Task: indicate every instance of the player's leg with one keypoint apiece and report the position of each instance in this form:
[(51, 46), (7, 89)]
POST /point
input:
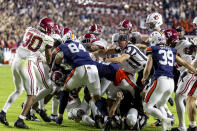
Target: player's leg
[(64, 95), (55, 105), (165, 97), (153, 96), (14, 95), (30, 85), (179, 98), (43, 80), (128, 83), (191, 108)]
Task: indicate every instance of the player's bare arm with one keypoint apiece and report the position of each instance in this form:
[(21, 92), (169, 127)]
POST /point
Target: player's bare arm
[(110, 51), (117, 102), (58, 58), (194, 63), (119, 59), (182, 62), (48, 54), (148, 67), (141, 46)]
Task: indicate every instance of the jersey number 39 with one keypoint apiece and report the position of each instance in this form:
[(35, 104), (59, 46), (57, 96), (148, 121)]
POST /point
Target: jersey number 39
[(167, 57)]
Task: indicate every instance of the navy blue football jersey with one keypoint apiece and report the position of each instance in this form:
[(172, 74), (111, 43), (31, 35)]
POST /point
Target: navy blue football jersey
[(107, 70), (163, 60), (75, 54)]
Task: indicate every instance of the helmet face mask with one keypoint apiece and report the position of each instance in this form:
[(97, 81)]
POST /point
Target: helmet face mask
[(156, 38), (89, 38), (151, 26)]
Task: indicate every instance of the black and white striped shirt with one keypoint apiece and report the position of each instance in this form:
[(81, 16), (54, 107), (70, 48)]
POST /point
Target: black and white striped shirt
[(137, 60)]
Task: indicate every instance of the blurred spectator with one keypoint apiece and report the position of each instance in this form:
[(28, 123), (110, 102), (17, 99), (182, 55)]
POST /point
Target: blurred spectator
[(17, 15)]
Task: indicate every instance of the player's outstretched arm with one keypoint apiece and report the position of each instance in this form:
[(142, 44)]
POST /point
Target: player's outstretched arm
[(120, 96), (182, 62), (148, 67), (119, 59)]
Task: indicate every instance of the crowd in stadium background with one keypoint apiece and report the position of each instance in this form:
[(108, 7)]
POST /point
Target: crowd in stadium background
[(17, 15)]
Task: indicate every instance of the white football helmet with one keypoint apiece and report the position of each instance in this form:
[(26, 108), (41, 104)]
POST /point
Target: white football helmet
[(115, 38), (154, 21), (195, 21), (136, 37), (156, 38)]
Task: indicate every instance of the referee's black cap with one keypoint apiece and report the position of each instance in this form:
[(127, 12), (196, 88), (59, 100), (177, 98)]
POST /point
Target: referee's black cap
[(179, 28), (123, 38)]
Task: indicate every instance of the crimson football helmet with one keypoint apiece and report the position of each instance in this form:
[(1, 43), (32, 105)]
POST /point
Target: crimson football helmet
[(58, 78), (56, 33), (57, 29), (95, 29), (46, 25), (66, 34), (125, 25), (171, 36), (89, 37)]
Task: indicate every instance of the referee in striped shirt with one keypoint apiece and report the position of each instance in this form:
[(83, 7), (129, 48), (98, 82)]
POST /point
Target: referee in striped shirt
[(131, 58)]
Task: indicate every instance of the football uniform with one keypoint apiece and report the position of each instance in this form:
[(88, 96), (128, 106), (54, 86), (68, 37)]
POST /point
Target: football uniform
[(26, 69), (163, 62), (84, 70), (120, 78), (189, 79), (137, 60), (193, 86)]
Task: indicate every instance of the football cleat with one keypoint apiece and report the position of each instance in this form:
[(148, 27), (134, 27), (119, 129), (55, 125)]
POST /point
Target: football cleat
[(20, 124), (171, 116), (157, 123), (3, 118), (44, 115), (59, 120), (53, 117), (33, 118)]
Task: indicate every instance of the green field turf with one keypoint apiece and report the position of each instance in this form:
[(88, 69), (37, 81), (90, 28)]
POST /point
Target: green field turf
[(7, 87)]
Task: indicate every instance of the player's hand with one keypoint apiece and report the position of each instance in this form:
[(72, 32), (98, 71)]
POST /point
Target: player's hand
[(120, 95), (143, 81)]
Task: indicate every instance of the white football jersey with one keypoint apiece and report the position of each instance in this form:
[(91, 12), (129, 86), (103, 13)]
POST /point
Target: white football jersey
[(33, 44), (181, 47)]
